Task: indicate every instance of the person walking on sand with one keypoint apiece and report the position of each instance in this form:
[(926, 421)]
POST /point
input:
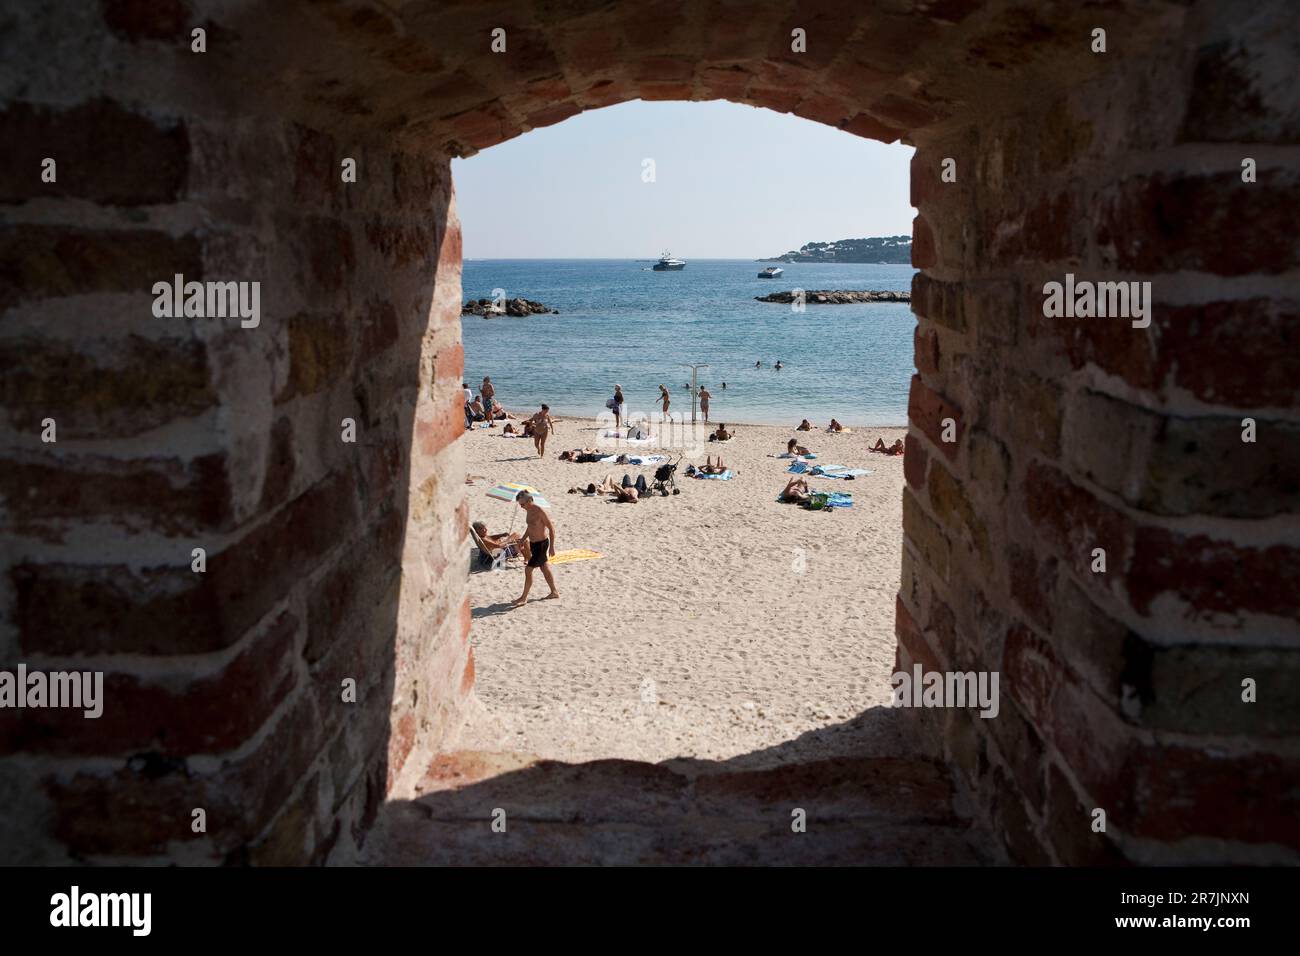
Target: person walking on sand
[(704, 403), (542, 426), (539, 544), (663, 396)]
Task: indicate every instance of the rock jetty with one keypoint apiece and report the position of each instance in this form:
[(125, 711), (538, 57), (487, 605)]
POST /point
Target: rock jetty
[(518, 308), (837, 297)]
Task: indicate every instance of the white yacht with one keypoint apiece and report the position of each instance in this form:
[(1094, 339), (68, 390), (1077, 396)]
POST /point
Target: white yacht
[(771, 272), (667, 263)]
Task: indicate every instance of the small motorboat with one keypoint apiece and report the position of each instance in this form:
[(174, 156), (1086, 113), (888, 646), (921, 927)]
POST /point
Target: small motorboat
[(771, 272)]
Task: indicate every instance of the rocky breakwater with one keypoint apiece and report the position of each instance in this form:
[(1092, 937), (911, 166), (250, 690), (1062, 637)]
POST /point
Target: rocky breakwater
[(518, 308), (836, 296)]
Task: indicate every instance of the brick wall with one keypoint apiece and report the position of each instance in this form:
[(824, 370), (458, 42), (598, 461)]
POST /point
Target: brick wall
[(1122, 690), (328, 560)]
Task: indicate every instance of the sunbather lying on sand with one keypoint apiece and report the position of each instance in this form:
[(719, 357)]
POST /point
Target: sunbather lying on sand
[(711, 469), (792, 447), (582, 455), (895, 449), (795, 492)]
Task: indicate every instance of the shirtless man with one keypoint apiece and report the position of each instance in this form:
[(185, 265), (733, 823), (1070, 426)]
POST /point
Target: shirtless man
[(541, 426), (804, 426), (538, 543), (704, 402), (496, 543), (489, 395), (663, 397)]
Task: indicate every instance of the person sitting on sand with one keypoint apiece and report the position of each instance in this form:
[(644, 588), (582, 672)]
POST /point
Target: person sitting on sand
[(793, 448), (796, 492), (835, 426), (711, 469), (476, 409), (509, 430), (895, 449), (721, 434), (495, 543), (804, 426)]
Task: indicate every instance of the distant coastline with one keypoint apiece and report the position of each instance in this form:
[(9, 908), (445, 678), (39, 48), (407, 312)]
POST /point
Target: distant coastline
[(879, 250)]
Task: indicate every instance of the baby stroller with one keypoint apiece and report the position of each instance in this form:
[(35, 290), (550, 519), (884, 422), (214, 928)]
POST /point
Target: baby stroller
[(665, 482)]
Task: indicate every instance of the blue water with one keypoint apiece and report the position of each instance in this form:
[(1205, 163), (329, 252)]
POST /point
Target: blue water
[(621, 322)]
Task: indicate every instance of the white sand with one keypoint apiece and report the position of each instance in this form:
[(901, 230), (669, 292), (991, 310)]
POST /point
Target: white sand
[(695, 635)]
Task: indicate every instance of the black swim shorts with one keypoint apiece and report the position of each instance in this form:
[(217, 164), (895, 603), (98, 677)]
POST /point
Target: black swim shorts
[(538, 555)]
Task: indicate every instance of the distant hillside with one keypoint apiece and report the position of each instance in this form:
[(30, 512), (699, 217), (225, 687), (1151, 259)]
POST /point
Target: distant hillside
[(877, 249)]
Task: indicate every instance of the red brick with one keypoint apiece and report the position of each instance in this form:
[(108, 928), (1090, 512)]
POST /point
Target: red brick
[(910, 637), (1243, 353), (915, 460), (1213, 577), (924, 255), (51, 496), (927, 409), (44, 262), (168, 717), (1075, 522), (147, 19), (1211, 223), (72, 609), (104, 154), (925, 346), (446, 425)]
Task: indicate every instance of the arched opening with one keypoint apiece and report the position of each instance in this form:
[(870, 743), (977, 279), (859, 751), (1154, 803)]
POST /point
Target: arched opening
[(1125, 165)]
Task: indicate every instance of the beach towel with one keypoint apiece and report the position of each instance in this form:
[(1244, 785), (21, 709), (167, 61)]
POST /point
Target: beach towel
[(839, 499), (725, 476), (838, 471), (645, 459), (574, 554), (607, 459), (797, 467)]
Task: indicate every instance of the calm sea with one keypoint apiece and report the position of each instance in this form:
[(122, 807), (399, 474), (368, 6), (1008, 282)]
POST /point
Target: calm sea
[(621, 322)]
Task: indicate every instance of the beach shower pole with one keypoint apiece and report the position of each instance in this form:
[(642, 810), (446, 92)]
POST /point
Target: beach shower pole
[(694, 388)]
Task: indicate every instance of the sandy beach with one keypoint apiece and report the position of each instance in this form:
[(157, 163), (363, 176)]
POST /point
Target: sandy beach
[(718, 623)]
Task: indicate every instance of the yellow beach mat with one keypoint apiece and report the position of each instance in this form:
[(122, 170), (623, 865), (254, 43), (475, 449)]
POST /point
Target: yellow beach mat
[(573, 554)]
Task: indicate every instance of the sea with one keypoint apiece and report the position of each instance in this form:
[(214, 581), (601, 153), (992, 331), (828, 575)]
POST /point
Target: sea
[(621, 322)]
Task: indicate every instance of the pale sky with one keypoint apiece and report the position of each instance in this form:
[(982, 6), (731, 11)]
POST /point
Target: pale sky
[(731, 181)]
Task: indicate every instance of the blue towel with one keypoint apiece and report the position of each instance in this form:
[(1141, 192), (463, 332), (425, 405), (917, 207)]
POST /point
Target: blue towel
[(797, 468), (839, 499)]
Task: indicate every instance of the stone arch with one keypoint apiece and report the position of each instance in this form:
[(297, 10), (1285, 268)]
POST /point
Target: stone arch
[(225, 165)]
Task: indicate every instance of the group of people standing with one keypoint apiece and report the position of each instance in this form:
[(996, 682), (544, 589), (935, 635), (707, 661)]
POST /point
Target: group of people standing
[(618, 403)]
